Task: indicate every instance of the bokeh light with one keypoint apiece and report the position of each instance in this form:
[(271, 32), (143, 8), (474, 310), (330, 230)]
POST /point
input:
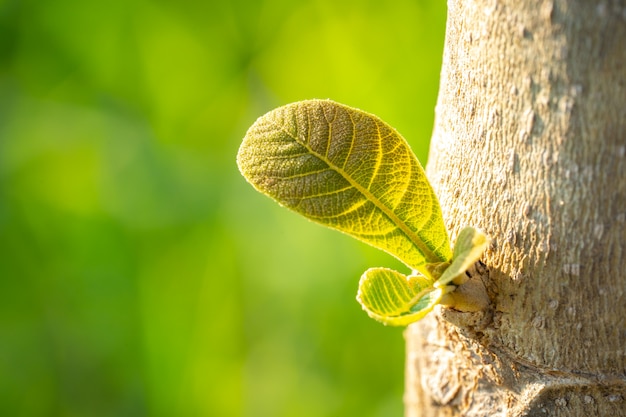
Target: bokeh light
[(139, 274)]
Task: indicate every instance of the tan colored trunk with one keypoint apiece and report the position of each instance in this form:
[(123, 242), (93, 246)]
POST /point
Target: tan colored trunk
[(530, 145)]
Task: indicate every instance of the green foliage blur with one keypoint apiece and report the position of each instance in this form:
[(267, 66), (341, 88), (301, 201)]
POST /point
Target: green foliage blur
[(140, 275)]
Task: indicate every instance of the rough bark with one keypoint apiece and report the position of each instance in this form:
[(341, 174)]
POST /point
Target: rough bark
[(530, 146)]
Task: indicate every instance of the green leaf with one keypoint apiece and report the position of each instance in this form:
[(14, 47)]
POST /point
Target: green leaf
[(348, 170), (469, 247), (393, 298)]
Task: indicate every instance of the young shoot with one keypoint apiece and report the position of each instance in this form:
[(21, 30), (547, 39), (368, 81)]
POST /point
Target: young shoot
[(350, 171)]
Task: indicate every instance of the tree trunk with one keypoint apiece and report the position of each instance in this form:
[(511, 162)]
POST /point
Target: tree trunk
[(530, 146)]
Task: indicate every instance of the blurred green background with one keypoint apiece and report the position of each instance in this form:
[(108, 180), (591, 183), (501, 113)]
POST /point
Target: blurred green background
[(139, 274)]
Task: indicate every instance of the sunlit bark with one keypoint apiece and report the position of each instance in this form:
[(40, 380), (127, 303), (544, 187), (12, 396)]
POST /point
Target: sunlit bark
[(530, 146)]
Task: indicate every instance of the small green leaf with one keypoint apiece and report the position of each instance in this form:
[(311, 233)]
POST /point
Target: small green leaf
[(393, 298), (469, 246), (348, 170)]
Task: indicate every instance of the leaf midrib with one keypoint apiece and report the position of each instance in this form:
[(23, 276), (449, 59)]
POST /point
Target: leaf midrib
[(429, 255)]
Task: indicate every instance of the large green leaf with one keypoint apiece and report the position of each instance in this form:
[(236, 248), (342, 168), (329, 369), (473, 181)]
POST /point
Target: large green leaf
[(348, 170)]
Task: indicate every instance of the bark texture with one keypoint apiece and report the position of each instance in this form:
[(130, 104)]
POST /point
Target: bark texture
[(530, 146)]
